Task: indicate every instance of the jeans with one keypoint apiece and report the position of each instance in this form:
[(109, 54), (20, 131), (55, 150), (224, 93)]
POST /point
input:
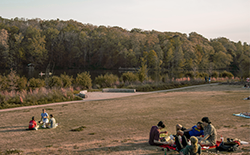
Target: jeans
[(181, 145)]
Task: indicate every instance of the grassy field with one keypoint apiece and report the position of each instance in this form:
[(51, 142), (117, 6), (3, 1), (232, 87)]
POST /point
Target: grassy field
[(122, 125)]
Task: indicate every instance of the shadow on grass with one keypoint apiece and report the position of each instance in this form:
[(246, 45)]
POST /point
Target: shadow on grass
[(24, 128), (13, 128), (17, 130), (124, 147)]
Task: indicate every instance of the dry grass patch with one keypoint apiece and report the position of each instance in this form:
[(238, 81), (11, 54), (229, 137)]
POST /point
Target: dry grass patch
[(78, 128), (121, 126)]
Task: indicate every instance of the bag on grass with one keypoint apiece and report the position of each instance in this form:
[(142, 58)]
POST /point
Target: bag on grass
[(229, 147)]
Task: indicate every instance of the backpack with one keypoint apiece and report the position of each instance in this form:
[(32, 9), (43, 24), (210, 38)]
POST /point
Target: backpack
[(229, 147)]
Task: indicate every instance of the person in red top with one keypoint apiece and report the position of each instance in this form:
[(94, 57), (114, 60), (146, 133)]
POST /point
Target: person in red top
[(33, 125)]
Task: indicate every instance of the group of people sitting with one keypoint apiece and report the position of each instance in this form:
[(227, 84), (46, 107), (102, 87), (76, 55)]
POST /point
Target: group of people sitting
[(246, 113), (47, 121), (203, 133)]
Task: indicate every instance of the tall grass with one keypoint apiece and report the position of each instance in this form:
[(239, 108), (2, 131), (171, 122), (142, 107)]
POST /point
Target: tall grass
[(37, 96)]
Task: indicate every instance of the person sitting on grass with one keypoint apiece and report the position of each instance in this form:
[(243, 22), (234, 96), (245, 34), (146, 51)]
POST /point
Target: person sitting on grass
[(196, 130), (33, 125), (210, 133), (246, 86), (44, 118), (186, 149), (52, 123), (248, 98), (154, 135)]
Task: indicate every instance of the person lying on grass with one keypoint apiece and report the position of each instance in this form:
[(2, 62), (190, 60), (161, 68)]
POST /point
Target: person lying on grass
[(154, 135), (44, 118), (246, 113), (33, 125), (196, 130), (52, 123), (210, 133), (248, 98), (186, 149)]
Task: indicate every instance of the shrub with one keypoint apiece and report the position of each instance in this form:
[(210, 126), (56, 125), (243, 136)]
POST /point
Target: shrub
[(83, 80), (226, 74), (215, 74), (129, 77), (36, 83), (66, 80), (196, 74), (55, 81), (11, 81), (189, 74), (22, 83), (100, 81), (204, 74), (108, 80), (3, 83)]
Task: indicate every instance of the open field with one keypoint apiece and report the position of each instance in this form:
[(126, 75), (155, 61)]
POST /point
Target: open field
[(122, 125)]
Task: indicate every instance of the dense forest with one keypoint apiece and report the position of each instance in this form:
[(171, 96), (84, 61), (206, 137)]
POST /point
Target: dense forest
[(71, 44)]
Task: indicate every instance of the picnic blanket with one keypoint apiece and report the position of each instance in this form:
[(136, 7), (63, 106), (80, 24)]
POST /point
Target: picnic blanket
[(203, 147), (241, 115)]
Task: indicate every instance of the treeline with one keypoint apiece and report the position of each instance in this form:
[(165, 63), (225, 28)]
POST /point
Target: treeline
[(70, 44)]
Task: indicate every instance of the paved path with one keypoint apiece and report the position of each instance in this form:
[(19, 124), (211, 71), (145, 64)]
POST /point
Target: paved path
[(95, 96)]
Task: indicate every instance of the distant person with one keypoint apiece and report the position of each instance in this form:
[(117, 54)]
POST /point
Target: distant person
[(248, 98), (246, 113), (154, 135), (196, 130), (44, 118), (210, 134), (209, 79), (246, 85), (184, 149), (33, 125), (205, 79), (52, 123)]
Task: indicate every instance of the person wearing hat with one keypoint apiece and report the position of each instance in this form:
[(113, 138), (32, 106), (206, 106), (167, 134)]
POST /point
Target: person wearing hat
[(210, 133), (154, 135)]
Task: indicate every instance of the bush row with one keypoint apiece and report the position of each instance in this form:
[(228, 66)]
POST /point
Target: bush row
[(164, 86), (83, 80), (214, 74), (12, 82)]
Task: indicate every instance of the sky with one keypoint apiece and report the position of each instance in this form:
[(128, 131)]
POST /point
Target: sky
[(209, 18)]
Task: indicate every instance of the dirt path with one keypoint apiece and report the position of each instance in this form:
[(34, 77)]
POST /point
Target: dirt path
[(95, 96)]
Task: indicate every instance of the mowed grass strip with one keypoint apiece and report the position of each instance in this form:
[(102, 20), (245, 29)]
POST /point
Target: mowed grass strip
[(122, 125)]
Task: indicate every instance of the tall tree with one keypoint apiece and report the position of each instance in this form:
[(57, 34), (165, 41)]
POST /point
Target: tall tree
[(4, 47), (34, 46)]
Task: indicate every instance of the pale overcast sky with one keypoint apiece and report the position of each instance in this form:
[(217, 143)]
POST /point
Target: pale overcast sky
[(210, 18)]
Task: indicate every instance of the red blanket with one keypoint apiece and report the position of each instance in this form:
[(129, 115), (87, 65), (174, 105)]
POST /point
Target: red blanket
[(203, 147)]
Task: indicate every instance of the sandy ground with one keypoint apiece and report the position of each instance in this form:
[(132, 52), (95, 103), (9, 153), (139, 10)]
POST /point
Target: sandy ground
[(119, 123)]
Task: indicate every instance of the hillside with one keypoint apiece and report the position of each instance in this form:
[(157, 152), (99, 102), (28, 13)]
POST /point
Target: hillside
[(71, 44)]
